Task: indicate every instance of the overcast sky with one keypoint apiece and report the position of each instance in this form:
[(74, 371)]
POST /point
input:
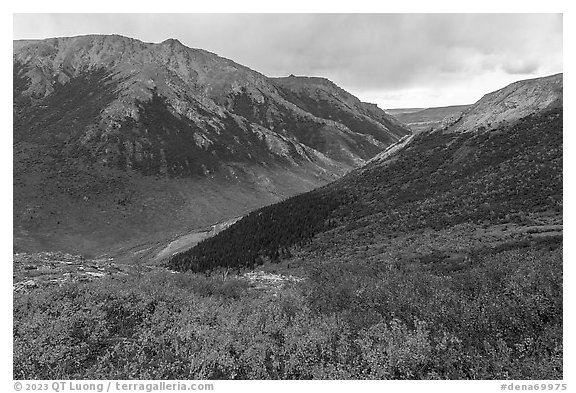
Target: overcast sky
[(394, 60)]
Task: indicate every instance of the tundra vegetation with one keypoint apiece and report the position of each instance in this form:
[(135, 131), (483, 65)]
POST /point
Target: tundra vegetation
[(498, 317)]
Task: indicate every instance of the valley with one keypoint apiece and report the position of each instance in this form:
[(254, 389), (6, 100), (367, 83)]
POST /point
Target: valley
[(180, 216), (425, 119), (445, 247)]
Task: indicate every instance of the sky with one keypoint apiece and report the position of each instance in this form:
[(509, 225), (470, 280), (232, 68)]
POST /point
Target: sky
[(393, 60)]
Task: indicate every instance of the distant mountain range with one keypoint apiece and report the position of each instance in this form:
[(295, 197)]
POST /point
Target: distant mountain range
[(498, 164), (117, 141), (425, 119)]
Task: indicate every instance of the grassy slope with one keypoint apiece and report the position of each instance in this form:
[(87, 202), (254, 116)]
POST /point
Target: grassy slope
[(122, 208)]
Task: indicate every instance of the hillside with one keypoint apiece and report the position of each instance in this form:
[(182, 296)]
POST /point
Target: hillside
[(436, 181), (119, 142), (439, 259)]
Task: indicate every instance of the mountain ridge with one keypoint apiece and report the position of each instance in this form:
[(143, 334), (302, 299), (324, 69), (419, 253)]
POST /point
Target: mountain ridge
[(102, 123), (510, 103), (487, 113)]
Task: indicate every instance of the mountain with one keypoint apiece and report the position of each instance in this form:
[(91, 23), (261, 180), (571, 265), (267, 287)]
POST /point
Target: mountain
[(507, 175), (424, 119), (120, 143)]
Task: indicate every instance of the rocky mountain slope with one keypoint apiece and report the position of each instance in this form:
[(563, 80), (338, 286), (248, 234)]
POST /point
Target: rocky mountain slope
[(510, 174), (117, 140), (324, 99), (509, 104)]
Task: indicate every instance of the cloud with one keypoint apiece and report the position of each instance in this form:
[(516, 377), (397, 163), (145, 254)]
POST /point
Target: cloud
[(391, 51), (520, 67)]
